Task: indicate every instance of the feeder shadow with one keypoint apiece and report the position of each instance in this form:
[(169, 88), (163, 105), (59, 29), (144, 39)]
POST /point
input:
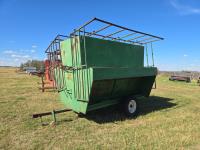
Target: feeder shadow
[(146, 106), (58, 122), (65, 120)]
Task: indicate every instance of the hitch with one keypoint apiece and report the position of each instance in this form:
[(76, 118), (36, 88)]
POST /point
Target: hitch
[(53, 113)]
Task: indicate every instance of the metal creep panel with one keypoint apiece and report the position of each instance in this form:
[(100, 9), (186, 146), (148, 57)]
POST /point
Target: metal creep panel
[(98, 68), (109, 74)]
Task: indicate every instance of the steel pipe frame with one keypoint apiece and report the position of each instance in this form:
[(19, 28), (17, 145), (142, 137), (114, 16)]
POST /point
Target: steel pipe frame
[(53, 51), (112, 24), (55, 40), (113, 38)]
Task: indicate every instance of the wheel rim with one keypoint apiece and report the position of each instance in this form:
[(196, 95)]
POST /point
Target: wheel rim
[(132, 106)]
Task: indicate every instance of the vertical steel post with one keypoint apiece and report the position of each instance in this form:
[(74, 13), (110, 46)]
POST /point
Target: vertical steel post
[(53, 115), (42, 77), (152, 54), (60, 66), (85, 47), (155, 85), (73, 71), (147, 56)]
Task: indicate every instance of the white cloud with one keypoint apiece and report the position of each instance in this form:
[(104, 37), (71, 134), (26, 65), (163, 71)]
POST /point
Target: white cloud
[(184, 9), (20, 56), (8, 52), (32, 51), (8, 63), (24, 50), (15, 57), (26, 56), (185, 55), (34, 46)]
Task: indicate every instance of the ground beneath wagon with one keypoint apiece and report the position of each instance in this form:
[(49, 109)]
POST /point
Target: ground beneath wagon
[(169, 119)]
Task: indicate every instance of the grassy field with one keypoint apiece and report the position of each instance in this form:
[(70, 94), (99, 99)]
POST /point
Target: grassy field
[(169, 119)]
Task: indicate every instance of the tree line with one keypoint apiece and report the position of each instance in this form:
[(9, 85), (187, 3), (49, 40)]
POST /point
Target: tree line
[(33, 63)]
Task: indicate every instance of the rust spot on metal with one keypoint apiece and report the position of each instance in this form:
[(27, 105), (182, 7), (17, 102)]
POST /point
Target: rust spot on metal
[(69, 76)]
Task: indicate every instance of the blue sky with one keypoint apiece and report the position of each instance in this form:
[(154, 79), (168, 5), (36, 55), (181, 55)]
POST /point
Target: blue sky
[(28, 26)]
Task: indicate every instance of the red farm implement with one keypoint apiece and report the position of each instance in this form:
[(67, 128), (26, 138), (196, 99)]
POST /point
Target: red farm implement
[(52, 62)]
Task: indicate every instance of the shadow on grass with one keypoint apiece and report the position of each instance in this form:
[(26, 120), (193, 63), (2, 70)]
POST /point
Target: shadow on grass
[(57, 122), (146, 106)]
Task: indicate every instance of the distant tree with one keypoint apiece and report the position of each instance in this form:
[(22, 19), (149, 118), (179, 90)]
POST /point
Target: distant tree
[(33, 63), (21, 67)]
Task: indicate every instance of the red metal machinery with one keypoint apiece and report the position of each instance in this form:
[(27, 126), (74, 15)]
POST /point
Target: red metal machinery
[(47, 82), (53, 60), (46, 73)]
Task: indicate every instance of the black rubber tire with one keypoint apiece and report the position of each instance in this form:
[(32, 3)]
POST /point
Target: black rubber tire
[(131, 107)]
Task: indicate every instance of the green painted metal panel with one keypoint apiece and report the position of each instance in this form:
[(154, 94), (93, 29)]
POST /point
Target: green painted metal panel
[(105, 90), (105, 53), (117, 73), (75, 94), (66, 53)]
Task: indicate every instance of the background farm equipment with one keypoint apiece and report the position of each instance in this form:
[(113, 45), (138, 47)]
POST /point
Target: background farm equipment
[(180, 78), (54, 60), (185, 76), (37, 73), (198, 81)]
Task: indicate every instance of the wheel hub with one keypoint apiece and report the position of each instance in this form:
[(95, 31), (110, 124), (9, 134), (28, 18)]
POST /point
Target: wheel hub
[(132, 106)]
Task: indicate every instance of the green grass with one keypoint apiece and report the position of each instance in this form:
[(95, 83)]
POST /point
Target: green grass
[(169, 119)]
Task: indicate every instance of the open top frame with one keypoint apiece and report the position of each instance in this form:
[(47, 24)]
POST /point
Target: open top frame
[(119, 33)]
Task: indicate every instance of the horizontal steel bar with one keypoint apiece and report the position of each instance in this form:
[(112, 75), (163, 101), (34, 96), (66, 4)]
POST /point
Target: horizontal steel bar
[(146, 39), (137, 37), (63, 35), (55, 42), (99, 30), (128, 35), (49, 113), (150, 41), (114, 33), (83, 26)]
